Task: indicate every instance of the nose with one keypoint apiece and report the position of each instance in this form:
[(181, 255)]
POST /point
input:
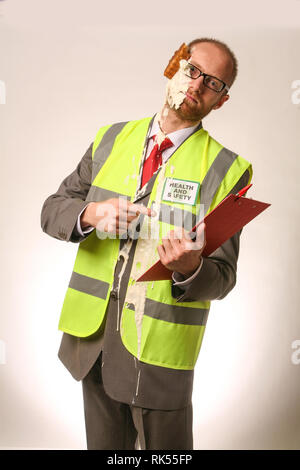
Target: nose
[(197, 84)]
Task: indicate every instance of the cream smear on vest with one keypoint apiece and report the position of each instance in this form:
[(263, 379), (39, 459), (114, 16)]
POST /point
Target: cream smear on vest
[(124, 253), (145, 255)]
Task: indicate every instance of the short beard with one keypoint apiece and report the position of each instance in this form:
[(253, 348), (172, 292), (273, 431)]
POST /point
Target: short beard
[(187, 114)]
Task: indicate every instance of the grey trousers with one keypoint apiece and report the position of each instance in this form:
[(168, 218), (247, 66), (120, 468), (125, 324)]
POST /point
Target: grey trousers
[(111, 425)]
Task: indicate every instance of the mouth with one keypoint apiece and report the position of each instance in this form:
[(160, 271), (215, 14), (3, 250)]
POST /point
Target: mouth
[(191, 98)]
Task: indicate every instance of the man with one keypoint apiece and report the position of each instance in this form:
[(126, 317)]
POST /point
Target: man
[(134, 345)]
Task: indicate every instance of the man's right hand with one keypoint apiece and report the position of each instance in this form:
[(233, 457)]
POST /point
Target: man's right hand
[(113, 215)]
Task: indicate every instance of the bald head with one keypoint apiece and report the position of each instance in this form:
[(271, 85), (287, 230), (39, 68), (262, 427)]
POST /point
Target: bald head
[(219, 52)]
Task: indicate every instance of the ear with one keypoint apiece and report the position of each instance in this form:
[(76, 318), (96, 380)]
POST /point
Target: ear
[(222, 100)]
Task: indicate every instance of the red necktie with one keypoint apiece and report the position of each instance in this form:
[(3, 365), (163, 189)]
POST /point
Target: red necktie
[(155, 159)]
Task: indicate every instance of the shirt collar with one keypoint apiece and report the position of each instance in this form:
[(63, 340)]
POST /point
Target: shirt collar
[(176, 137)]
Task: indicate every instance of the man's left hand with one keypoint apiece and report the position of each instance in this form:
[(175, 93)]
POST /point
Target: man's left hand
[(179, 253)]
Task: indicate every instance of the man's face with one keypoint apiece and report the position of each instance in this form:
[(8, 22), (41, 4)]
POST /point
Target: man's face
[(200, 100)]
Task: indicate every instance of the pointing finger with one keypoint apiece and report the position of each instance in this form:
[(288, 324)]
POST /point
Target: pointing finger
[(138, 209)]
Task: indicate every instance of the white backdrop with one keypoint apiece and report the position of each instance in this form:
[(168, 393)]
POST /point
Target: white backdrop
[(58, 86)]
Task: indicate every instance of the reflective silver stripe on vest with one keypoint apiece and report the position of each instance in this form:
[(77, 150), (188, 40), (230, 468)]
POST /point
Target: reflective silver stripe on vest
[(174, 313), (215, 176), (177, 217), (105, 147), (243, 181), (88, 285), (100, 194)]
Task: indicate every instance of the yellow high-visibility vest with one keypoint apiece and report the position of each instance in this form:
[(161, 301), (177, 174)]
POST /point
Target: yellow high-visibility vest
[(155, 328)]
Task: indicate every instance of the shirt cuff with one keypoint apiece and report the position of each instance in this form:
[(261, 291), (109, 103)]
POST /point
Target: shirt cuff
[(180, 280), (83, 232)]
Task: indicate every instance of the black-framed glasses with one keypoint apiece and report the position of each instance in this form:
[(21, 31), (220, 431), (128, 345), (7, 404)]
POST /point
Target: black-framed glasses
[(209, 81)]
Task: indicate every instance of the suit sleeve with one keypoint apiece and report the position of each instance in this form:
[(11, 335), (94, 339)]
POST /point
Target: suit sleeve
[(217, 276), (60, 210)]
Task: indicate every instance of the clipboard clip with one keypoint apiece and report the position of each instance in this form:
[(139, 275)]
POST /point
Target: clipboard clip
[(243, 191)]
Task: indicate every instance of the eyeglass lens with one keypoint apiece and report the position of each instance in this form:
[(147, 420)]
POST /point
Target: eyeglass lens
[(209, 81)]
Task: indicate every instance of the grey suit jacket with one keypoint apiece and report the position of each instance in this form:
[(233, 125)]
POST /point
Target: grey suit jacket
[(216, 278)]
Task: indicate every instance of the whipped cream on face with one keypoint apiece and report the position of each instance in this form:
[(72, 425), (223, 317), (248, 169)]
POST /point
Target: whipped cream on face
[(176, 90), (177, 86)]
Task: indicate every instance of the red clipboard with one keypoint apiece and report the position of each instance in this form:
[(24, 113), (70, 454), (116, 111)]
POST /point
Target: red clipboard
[(230, 216)]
